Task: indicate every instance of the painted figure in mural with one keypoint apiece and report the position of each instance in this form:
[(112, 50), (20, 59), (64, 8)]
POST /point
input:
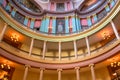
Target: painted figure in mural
[(60, 27)]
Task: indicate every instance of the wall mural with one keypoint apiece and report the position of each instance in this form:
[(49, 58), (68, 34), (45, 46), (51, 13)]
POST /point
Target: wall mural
[(60, 26)]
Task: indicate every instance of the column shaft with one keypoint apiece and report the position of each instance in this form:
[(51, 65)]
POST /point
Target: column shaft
[(75, 49), (31, 46), (59, 50), (41, 74), (59, 74), (25, 72), (88, 46), (92, 71), (115, 30), (3, 31), (77, 73), (44, 49)]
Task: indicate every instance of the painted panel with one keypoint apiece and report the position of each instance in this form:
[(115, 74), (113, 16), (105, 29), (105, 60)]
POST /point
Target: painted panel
[(66, 25), (54, 25), (32, 24), (37, 23), (26, 21)]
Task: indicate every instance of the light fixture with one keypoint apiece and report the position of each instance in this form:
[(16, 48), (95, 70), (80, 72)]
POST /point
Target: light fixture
[(114, 74), (106, 35), (115, 64), (14, 37), (5, 66)]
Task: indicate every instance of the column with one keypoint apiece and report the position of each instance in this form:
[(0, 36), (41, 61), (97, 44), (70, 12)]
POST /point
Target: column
[(95, 18), (49, 6), (77, 73), (59, 50), (92, 71), (8, 8), (89, 21), (44, 49), (75, 49), (13, 12), (66, 25), (42, 27), (71, 5), (55, 4), (31, 46), (41, 73), (107, 8), (32, 23), (54, 25), (26, 20), (70, 24), (112, 3), (46, 24), (115, 30), (88, 46), (3, 32), (59, 74), (26, 72), (73, 24), (77, 23), (65, 6)]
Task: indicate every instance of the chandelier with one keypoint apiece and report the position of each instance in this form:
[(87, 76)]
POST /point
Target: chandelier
[(14, 37), (106, 35), (4, 66), (115, 64)]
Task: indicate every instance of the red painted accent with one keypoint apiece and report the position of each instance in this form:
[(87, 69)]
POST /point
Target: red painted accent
[(28, 25), (70, 24), (50, 26), (37, 23)]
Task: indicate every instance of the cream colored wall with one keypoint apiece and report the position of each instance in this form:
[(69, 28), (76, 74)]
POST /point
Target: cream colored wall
[(18, 74), (101, 74)]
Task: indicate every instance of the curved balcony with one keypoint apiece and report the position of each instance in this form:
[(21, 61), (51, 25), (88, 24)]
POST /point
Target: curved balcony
[(98, 54)]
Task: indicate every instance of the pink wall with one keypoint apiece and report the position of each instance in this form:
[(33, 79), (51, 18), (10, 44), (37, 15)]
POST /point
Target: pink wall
[(84, 22), (37, 23)]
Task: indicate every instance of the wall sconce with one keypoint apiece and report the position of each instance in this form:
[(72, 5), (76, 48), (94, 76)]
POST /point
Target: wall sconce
[(115, 64), (106, 35), (5, 66), (14, 37)]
